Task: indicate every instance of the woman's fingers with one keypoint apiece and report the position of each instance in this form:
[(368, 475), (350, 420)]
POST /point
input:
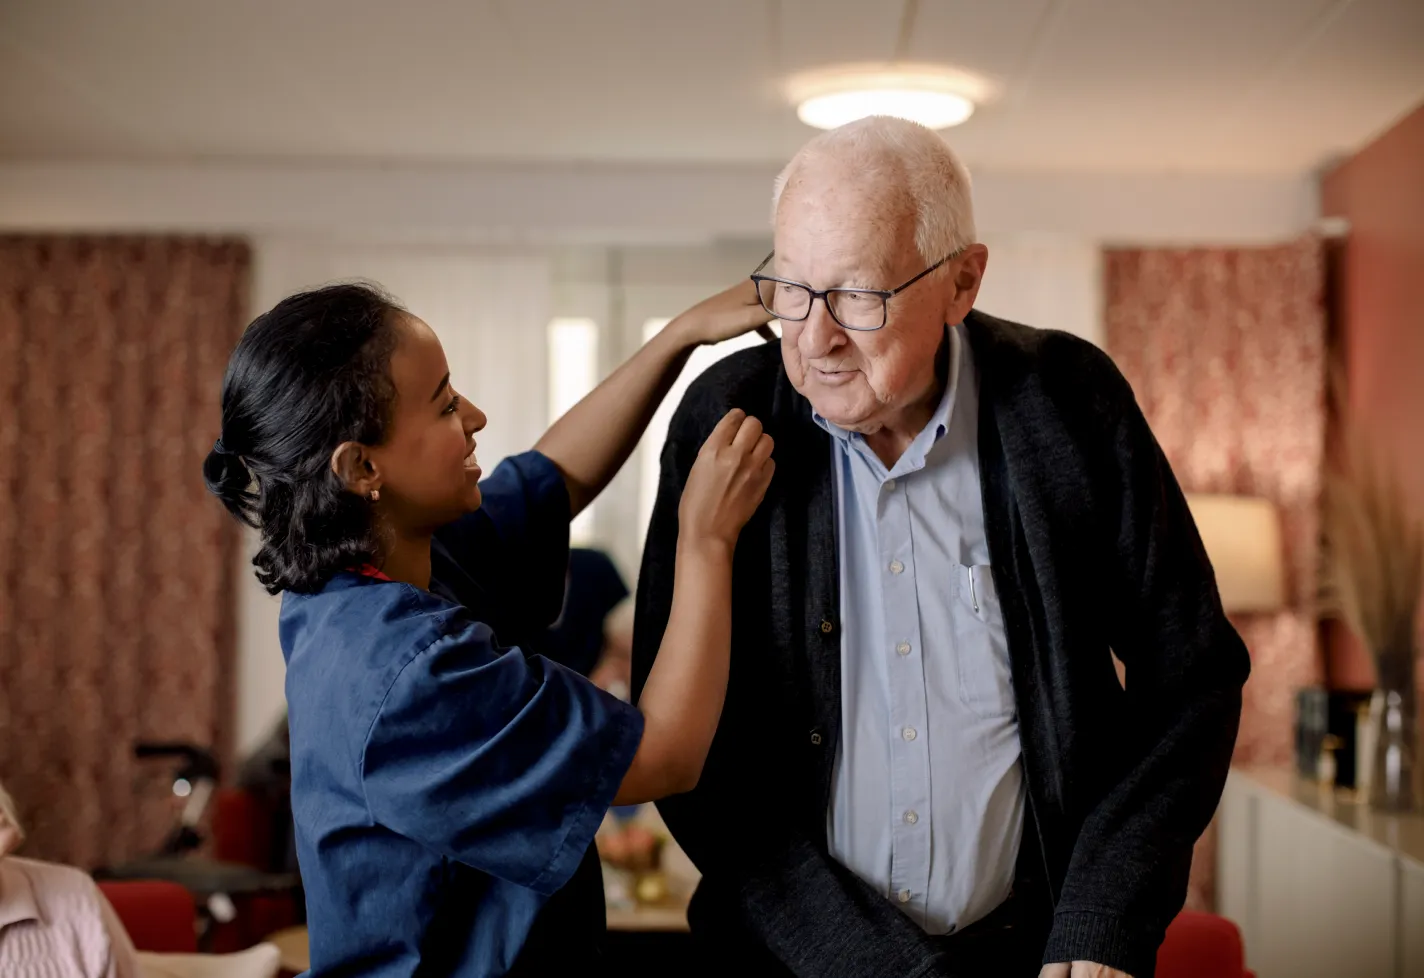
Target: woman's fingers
[(747, 435), (726, 429)]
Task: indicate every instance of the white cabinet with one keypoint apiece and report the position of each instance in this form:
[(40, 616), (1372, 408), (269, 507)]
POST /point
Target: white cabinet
[(1319, 885), (1411, 918)]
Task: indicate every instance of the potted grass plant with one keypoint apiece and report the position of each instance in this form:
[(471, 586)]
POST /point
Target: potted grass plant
[(1374, 577)]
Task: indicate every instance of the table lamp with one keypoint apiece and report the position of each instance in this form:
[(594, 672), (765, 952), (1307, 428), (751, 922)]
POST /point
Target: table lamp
[(1242, 535)]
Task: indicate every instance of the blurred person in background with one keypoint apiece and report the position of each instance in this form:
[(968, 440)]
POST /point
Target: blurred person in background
[(614, 671), (592, 589), (969, 516), (54, 921)]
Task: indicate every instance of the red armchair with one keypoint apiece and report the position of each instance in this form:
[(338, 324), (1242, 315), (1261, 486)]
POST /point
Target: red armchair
[(242, 828), (158, 915), (242, 833), (1202, 945)]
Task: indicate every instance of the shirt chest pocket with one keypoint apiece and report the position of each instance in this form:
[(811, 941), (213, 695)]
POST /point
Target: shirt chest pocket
[(981, 650)]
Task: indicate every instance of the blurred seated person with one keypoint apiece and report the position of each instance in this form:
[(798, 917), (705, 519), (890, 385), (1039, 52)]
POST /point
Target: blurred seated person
[(53, 919), (614, 671), (577, 638)]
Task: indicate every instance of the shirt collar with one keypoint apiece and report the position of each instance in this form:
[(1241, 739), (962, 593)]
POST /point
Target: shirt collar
[(939, 421), (17, 895)]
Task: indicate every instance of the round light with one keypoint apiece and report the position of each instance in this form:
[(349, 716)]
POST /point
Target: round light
[(936, 96), (934, 110)]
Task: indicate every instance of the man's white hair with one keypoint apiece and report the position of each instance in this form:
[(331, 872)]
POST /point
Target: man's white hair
[(913, 161)]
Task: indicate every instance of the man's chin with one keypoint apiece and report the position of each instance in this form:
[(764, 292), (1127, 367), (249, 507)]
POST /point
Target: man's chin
[(850, 416)]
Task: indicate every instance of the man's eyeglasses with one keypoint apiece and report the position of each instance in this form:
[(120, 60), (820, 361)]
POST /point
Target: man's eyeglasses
[(859, 309)]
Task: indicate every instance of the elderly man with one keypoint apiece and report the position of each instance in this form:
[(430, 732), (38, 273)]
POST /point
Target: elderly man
[(926, 764)]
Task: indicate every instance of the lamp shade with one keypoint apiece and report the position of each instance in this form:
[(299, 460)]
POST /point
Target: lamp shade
[(1242, 535)]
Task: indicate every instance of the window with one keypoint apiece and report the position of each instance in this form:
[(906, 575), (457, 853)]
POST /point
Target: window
[(573, 372)]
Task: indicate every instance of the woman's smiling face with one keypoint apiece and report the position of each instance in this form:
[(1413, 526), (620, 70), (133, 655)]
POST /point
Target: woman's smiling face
[(427, 472)]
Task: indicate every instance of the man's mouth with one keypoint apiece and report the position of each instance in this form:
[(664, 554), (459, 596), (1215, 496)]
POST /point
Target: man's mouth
[(832, 378)]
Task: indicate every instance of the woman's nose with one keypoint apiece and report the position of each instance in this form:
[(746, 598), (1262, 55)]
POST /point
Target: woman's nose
[(473, 418)]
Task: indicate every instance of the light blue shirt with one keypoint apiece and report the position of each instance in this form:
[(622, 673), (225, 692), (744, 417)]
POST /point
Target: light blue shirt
[(927, 801)]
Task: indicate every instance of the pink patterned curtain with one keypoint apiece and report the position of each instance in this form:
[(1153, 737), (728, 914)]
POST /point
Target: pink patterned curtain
[(116, 570), (1226, 349)]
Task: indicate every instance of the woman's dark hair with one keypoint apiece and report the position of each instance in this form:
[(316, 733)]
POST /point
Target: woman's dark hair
[(311, 374)]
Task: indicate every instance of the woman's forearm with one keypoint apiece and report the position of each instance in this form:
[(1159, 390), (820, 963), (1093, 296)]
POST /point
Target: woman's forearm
[(682, 700), (591, 442), (594, 438)]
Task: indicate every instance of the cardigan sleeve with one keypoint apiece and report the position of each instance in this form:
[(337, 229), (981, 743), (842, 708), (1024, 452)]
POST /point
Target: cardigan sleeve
[(1127, 877)]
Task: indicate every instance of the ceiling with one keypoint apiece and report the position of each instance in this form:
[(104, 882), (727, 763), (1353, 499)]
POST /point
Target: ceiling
[(1147, 86)]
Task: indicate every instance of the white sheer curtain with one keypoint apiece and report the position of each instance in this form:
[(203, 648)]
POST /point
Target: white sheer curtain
[(491, 314), (1048, 280)]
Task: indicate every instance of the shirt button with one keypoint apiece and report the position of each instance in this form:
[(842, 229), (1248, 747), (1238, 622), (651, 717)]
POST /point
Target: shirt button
[(909, 733), (904, 896), (889, 485), (911, 817), (896, 567), (903, 648)]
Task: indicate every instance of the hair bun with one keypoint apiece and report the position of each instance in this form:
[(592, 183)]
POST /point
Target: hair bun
[(228, 477)]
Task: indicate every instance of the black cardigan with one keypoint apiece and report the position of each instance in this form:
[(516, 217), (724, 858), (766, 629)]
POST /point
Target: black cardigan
[(1092, 548)]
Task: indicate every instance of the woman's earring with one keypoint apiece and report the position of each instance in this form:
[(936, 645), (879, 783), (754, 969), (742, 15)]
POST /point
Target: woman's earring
[(375, 495)]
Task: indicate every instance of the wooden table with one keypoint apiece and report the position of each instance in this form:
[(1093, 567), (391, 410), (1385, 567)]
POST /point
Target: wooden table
[(293, 946), (662, 920)]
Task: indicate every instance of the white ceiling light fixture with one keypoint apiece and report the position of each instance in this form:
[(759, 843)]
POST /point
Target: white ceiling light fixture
[(934, 96)]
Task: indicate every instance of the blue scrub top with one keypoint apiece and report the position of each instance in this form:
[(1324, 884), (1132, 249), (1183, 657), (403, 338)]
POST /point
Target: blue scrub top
[(445, 787)]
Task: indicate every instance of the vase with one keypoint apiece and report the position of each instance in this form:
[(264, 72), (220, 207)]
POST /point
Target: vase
[(1394, 785)]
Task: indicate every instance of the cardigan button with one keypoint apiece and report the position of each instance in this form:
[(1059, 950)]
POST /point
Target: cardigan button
[(827, 627), (816, 738)]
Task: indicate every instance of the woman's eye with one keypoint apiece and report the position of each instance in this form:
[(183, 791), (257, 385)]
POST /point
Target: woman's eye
[(453, 405)]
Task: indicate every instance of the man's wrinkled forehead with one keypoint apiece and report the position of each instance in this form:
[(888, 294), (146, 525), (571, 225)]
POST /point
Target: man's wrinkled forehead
[(839, 220)]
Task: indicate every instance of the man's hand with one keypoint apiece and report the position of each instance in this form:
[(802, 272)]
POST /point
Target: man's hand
[(1081, 969)]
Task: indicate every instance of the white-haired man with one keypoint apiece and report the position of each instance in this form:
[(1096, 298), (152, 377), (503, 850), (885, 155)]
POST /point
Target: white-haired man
[(926, 764)]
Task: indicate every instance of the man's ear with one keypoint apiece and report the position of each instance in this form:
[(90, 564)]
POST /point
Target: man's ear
[(353, 466), (968, 273)]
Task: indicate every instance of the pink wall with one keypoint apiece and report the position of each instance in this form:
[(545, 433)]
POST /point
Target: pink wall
[(1380, 191)]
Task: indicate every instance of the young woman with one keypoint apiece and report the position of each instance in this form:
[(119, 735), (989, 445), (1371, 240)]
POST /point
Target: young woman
[(445, 787)]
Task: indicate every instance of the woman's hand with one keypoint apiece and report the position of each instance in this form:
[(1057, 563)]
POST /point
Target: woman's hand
[(729, 313), (687, 684), (727, 482), (1081, 969), (594, 438)]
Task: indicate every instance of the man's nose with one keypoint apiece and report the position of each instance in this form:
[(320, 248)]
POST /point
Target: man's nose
[(821, 335)]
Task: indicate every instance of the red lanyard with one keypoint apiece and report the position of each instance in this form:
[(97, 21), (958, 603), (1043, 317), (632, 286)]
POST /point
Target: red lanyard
[(366, 570)]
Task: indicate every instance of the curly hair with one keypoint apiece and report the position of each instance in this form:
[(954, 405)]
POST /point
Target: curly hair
[(312, 373)]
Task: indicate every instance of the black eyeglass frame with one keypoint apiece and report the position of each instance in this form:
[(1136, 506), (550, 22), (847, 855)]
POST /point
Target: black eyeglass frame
[(824, 295)]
